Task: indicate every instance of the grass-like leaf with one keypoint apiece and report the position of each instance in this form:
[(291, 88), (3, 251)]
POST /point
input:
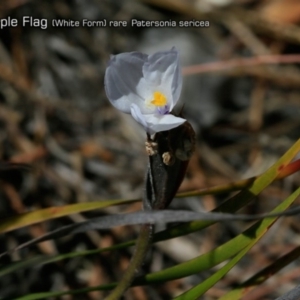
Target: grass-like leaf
[(46, 214), (41, 215), (255, 233), (281, 168), (220, 254), (242, 198), (289, 169), (206, 261), (262, 275)]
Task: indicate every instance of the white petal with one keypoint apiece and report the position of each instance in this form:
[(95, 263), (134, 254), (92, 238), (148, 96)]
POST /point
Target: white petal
[(176, 84), (132, 78), (157, 123), (137, 115), (163, 69), (146, 90), (122, 76), (159, 62)]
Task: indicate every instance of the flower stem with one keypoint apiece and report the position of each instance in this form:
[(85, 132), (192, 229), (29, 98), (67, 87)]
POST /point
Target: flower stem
[(162, 182), (142, 246)]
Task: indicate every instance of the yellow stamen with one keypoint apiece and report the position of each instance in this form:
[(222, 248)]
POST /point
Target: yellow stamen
[(159, 99)]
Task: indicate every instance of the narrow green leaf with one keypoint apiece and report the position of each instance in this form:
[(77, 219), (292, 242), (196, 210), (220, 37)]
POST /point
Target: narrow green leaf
[(256, 232), (49, 259), (56, 212), (240, 291), (255, 188), (48, 295), (201, 263), (182, 229), (238, 201), (291, 168)]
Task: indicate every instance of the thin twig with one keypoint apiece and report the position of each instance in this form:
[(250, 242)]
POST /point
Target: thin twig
[(240, 63)]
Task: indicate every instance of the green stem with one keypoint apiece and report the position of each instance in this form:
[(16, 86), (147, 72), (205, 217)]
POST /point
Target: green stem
[(141, 248)]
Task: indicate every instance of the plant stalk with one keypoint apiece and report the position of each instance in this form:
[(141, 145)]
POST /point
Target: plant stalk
[(141, 248)]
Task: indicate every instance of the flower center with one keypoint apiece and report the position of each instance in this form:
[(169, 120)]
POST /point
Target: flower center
[(159, 99)]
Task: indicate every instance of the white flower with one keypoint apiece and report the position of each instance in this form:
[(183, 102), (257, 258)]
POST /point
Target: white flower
[(146, 86)]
